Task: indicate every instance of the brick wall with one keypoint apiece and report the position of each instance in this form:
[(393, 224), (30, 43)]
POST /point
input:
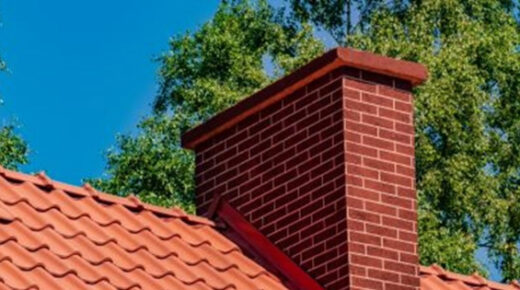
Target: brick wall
[(381, 198), (327, 174)]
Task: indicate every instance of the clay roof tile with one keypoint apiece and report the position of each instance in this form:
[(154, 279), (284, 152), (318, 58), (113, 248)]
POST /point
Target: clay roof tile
[(54, 235), (435, 277)]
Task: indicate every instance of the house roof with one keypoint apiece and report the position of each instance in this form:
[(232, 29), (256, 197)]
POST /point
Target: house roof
[(436, 278), (54, 235)]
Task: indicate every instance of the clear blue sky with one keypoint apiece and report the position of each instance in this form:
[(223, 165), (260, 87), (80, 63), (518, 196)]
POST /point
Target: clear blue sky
[(83, 71)]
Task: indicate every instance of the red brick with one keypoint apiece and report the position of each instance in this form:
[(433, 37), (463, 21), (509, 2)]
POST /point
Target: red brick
[(400, 267), (318, 83), (307, 121), (395, 115), (397, 94), (353, 158), (359, 85), (262, 125), (404, 128), (248, 143), (410, 280), (394, 136), (352, 137), (365, 239), (381, 208), (402, 106), (381, 231), (380, 186), (366, 261), (398, 245), (377, 121), (378, 143), (366, 283), (398, 223), (362, 193), (361, 107), (397, 202), (406, 192), (383, 275), (299, 203), (404, 149), (361, 128), (352, 115), (379, 164), (410, 215), (407, 236), (398, 158), (409, 258), (358, 271), (378, 100), (306, 100), (404, 170), (327, 256), (282, 114), (355, 225), (360, 149), (364, 216), (362, 171), (331, 87), (396, 179)]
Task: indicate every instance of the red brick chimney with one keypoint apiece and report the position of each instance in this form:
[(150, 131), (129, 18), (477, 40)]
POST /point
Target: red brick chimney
[(322, 163)]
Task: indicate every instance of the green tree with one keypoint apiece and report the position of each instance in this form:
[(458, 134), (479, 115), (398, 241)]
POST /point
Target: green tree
[(13, 149), (338, 17), (468, 129), (243, 48)]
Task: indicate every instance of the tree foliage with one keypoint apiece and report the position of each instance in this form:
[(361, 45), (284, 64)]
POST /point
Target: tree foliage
[(13, 149), (468, 130), (338, 17), (243, 48)]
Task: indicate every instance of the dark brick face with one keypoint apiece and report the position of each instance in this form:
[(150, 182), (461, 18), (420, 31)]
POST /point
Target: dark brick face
[(327, 174)]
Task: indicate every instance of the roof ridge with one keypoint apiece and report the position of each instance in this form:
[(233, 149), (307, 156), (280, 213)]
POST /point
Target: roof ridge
[(474, 279), (131, 202)]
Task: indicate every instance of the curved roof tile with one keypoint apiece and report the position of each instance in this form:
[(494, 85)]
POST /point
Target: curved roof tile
[(435, 277), (54, 235)]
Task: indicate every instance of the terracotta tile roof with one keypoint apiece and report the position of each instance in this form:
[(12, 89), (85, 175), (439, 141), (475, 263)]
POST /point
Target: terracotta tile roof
[(54, 235), (436, 278), (57, 236)]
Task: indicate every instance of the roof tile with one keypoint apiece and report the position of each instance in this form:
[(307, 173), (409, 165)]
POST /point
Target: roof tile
[(53, 235), (435, 277)]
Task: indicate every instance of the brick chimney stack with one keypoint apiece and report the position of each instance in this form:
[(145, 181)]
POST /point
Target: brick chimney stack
[(322, 163)]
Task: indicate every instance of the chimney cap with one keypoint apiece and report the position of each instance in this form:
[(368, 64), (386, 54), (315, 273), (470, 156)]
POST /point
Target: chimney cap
[(413, 72)]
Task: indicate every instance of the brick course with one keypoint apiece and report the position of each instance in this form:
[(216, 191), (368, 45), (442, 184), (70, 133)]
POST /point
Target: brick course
[(327, 174)]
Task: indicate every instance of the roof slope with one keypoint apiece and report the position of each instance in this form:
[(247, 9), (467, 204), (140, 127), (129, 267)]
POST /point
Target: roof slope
[(436, 278), (58, 236), (53, 235)]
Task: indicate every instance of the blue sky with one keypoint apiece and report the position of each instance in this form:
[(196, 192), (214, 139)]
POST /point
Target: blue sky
[(83, 71)]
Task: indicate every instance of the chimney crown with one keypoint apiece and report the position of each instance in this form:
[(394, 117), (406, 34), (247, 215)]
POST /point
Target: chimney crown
[(411, 72)]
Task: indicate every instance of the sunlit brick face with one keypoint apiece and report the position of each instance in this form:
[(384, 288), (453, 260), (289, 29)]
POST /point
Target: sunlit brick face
[(327, 174)]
